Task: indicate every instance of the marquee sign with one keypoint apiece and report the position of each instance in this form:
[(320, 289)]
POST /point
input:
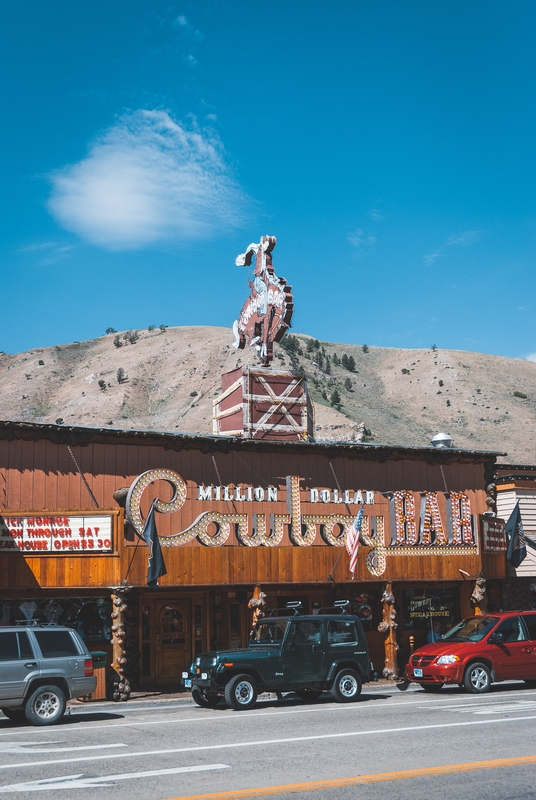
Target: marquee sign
[(266, 314), (61, 533), (394, 523)]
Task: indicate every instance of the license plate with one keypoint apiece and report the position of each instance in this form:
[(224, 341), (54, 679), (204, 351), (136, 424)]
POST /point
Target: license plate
[(417, 673), (188, 683)]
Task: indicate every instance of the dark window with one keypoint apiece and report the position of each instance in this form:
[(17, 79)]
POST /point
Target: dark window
[(511, 629), (25, 646), (55, 644), (530, 622), (269, 632), (342, 633), (235, 619), (9, 650), (306, 633)]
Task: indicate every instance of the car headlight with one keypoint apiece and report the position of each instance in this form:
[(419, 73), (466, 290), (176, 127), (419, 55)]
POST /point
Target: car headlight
[(214, 661), (450, 659)]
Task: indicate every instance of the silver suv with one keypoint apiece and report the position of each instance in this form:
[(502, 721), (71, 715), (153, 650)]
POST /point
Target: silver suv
[(41, 667)]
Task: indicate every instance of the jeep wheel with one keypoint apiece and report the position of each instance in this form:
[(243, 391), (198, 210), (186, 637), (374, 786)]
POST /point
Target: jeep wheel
[(15, 714), (346, 686), (241, 692), (308, 694), (432, 688), (45, 706), (477, 678), (204, 700)]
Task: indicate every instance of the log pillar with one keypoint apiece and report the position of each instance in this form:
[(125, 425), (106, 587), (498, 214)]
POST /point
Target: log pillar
[(124, 650), (388, 625)]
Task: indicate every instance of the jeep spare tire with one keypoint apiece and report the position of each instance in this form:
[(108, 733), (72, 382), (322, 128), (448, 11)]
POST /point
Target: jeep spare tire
[(346, 687), (45, 706), (241, 692)]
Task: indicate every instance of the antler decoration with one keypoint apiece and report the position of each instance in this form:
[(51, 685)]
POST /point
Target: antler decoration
[(266, 314)]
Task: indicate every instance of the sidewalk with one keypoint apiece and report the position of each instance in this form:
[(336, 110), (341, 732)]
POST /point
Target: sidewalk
[(148, 698)]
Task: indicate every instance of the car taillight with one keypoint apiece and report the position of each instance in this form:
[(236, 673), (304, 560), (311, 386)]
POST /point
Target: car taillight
[(88, 667)]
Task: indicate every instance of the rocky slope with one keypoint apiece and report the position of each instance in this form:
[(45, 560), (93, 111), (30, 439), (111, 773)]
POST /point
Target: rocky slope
[(168, 380)]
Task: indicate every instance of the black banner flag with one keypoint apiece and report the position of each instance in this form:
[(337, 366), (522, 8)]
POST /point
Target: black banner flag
[(155, 567), (517, 549)]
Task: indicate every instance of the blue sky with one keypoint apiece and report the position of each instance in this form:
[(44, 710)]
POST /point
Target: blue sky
[(388, 145)]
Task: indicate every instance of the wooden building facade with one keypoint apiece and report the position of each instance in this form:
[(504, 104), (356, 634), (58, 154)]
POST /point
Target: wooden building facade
[(234, 514)]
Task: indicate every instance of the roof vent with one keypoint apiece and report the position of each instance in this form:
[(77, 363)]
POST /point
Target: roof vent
[(442, 440)]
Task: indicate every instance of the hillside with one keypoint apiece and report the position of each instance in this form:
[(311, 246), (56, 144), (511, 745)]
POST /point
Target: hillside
[(170, 379)]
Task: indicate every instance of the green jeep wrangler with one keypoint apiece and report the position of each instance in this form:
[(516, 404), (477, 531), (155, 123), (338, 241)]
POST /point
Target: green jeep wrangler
[(302, 654)]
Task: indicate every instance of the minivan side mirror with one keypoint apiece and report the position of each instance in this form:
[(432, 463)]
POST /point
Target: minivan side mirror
[(496, 638)]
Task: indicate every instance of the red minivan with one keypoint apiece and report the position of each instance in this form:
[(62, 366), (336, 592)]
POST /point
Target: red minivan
[(477, 652)]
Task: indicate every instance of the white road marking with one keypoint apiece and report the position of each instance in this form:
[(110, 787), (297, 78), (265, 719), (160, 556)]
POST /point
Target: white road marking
[(258, 743), (79, 782), (493, 708), (226, 716), (37, 747)]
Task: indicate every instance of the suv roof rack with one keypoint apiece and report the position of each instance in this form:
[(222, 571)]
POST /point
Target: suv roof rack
[(294, 606), (341, 606), (34, 623)]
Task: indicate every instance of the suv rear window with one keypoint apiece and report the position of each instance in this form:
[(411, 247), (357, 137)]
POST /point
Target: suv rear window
[(342, 633), (55, 644)]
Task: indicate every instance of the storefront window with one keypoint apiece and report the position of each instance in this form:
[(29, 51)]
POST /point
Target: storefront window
[(430, 609), (90, 616)]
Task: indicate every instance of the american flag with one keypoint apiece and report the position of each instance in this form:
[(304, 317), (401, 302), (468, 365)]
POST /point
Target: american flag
[(353, 540)]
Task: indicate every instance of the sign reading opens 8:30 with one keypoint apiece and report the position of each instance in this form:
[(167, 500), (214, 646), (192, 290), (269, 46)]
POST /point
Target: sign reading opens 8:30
[(56, 534)]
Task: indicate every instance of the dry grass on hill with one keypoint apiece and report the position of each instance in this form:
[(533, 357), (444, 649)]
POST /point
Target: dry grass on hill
[(169, 380)]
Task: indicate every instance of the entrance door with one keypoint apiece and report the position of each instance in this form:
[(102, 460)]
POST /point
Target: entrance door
[(172, 640)]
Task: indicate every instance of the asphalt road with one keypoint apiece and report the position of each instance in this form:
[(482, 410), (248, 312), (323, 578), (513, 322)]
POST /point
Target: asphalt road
[(409, 745)]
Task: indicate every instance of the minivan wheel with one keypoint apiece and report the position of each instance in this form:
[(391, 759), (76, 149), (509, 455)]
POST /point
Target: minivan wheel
[(16, 714), (241, 692), (477, 678), (346, 686), (45, 706), (204, 700)]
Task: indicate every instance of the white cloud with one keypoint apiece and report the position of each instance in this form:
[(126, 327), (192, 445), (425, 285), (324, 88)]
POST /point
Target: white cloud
[(466, 238), (148, 179), (360, 239), (376, 214), (531, 357), (469, 237)]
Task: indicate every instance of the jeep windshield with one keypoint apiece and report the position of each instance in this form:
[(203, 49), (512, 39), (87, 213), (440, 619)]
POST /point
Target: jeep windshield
[(269, 632), (471, 630)]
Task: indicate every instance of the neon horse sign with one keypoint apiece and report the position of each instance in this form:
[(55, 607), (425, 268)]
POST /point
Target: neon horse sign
[(266, 314)]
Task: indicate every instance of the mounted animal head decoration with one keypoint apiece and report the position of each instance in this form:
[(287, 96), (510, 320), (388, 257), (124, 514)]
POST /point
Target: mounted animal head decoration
[(266, 314)]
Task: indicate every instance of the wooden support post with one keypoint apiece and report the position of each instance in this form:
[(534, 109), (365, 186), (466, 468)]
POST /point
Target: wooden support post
[(388, 626), (120, 689)]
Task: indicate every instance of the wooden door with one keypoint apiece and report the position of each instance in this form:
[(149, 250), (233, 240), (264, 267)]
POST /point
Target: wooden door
[(172, 639)]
